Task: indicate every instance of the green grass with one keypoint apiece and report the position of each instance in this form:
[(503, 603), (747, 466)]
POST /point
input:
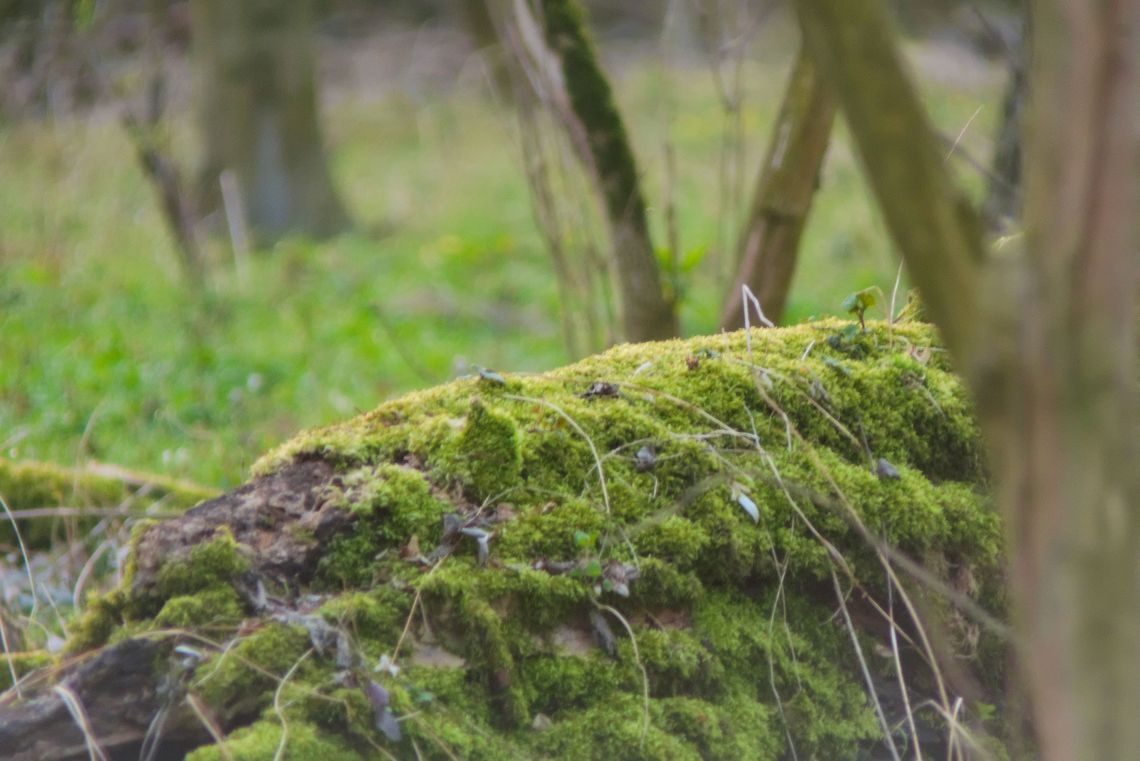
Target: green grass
[(107, 353)]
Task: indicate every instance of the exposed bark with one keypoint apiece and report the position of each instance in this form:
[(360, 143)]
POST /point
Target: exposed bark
[(120, 693), (647, 312), (258, 115), (283, 521), (769, 243), (1046, 337)]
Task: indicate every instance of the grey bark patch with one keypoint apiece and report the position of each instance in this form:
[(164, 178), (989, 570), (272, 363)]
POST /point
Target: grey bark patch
[(281, 520)]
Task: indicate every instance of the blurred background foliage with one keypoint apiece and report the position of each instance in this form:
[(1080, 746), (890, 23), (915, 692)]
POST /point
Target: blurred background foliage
[(109, 351)]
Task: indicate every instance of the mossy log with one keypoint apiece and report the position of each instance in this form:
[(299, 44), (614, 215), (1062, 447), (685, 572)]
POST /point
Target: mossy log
[(636, 556), (40, 496)]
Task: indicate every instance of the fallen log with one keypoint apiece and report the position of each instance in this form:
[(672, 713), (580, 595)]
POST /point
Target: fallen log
[(741, 546)]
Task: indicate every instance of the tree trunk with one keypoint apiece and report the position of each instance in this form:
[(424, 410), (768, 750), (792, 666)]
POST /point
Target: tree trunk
[(1064, 426), (769, 243), (258, 115), (1003, 191), (647, 312), (1045, 335)]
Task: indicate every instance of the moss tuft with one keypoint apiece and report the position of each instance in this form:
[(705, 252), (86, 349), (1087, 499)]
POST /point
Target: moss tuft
[(208, 608), (241, 680), (22, 663), (487, 452), (264, 740), (209, 565)]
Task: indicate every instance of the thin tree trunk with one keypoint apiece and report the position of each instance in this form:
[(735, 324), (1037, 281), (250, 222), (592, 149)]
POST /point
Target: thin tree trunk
[(479, 19), (256, 81), (1003, 191), (647, 312), (1046, 336), (769, 243)]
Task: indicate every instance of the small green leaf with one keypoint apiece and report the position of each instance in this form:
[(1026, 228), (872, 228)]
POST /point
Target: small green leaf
[(593, 569), (861, 301), (582, 539)]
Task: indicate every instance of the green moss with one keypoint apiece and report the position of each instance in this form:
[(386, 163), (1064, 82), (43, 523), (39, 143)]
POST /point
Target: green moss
[(350, 559), (487, 452), (555, 684), (593, 102), (794, 425), (25, 485), (735, 729), (612, 729), (99, 620), (375, 618), (241, 680), (209, 565), (204, 609), (21, 663), (263, 741)]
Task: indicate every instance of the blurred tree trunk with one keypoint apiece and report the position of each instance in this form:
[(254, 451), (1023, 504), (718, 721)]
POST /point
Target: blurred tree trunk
[(256, 93), (648, 313), (789, 175), (1003, 192), (480, 21), (1046, 336)]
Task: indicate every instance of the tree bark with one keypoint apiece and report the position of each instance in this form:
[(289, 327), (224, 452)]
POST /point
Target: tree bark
[(1045, 336), (1064, 427), (258, 115), (769, 243), (648, 313)]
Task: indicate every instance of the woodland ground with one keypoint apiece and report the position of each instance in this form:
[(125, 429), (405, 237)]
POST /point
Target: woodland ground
[(108, 353)]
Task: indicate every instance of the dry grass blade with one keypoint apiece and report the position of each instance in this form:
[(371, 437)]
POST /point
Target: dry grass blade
[(888, 738), (581, 432), (640, 665), (899, 672), (277, 709), (203, 713), (79, 716)]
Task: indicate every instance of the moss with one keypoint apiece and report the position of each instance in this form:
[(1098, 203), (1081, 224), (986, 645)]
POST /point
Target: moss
[(208, 567), (375, 618), (794, 425), (21, 663), (548, 530), (556, 684), (593, 103), (205, 609), (350, 559), (612, 729), (809, 662), (265, 739), (679, 539), (99, 620), (27, 485), (241, 680), (486, 454), (735, 729)]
